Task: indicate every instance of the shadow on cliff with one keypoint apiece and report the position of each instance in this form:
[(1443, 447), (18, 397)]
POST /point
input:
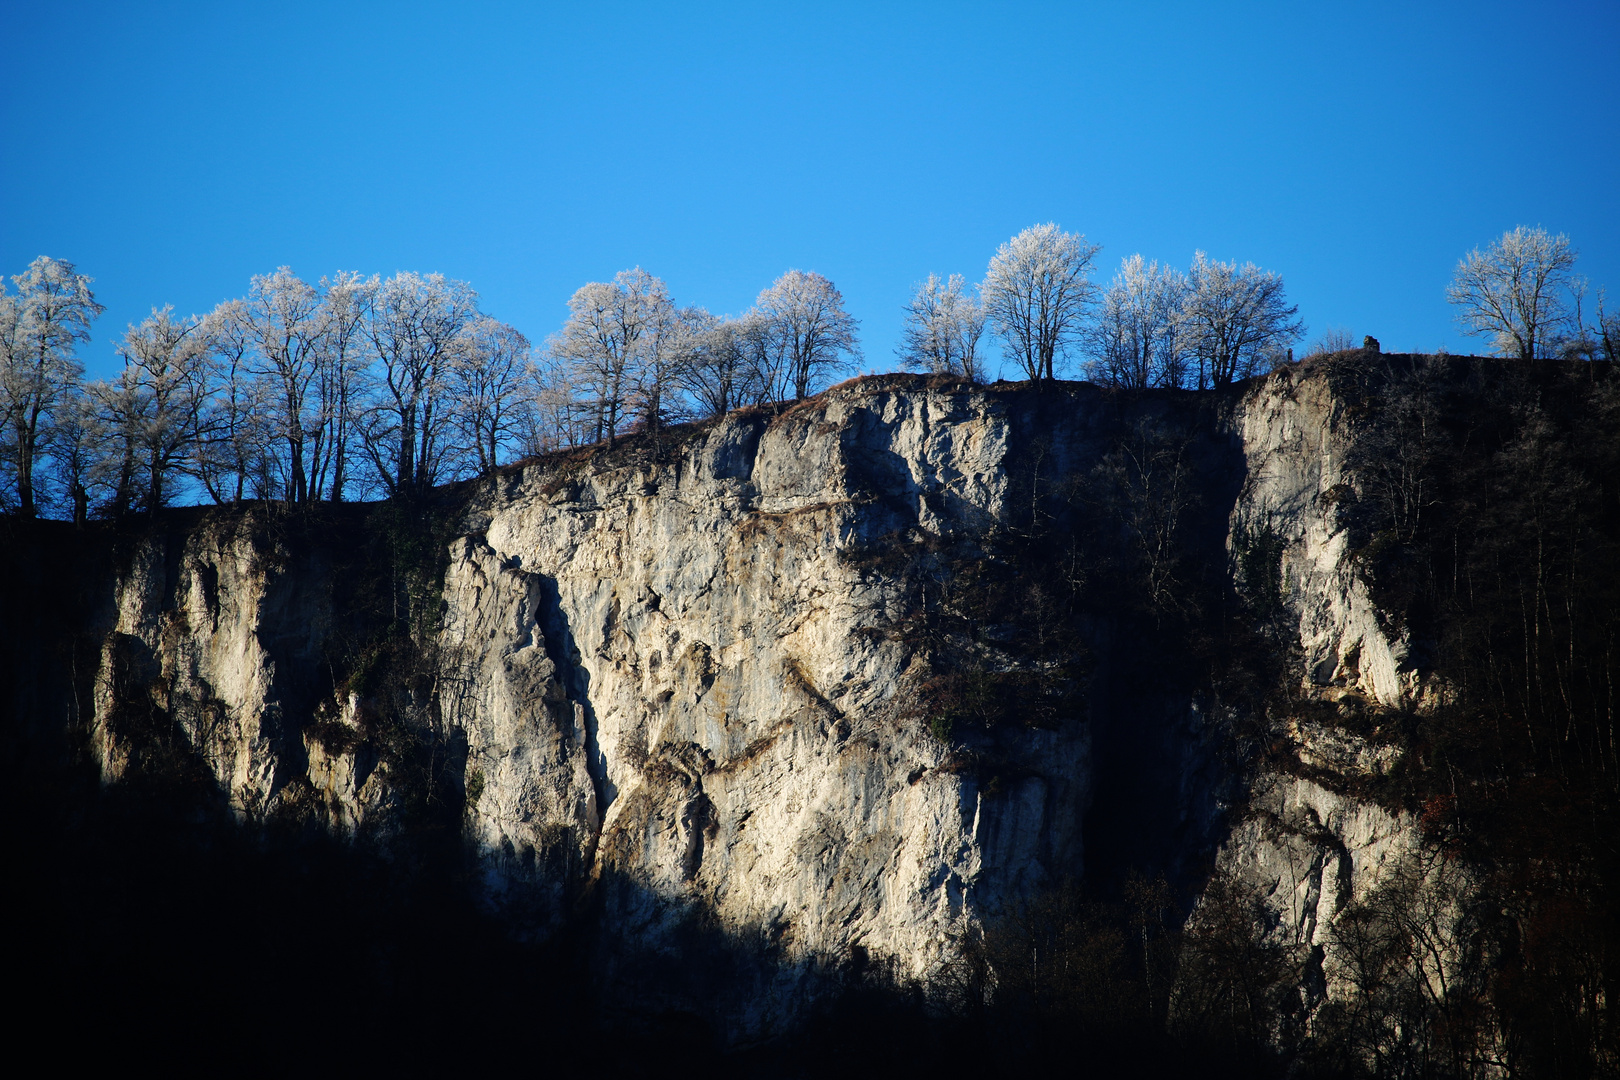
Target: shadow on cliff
[(151, 926)]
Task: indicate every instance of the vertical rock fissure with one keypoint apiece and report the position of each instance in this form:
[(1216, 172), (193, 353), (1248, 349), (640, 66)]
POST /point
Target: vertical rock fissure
[(563, 650)]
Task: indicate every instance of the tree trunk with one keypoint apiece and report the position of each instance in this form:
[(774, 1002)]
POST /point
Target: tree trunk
[(27, 436)]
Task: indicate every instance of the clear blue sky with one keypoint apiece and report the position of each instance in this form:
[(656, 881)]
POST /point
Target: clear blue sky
[(172, 151)]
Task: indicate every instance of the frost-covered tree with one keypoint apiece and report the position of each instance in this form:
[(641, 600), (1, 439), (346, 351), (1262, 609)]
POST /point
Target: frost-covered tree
[(555, 414), (1137, 339), (767, 356), (79, 453), (118, 467), (40, 331), (161, 404), (236, 451), (1235, 319), (803, 333), (487, 386), (1515, 291), (282, 318), (11, 371), (342, 360), (664, 345), (605, 342), (1036, 295), (943, 324), (415, 325), (714, 371)]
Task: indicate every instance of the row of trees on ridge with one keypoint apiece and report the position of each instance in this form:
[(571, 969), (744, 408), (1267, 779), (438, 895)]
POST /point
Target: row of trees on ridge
[(1151, 326), (355, 387)]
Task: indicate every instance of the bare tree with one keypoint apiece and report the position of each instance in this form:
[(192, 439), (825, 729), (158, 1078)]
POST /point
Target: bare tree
[(1236, 319), (11, 383), (1036, 295), (663, 348), (79, 453), (1137, 340), (486, 383), (1607, 329), (415, 325), (554, 415), (802, 318), (714, 372), (341, 362), (240, 440), (1397, 462), (1151, 489), (1514, 291), (161, 405), (39, 332), (283, 320), (1233, 975), (1409, 956), (943, 324), (118, 464), (767, 354), (602, 343), (1332, 340)]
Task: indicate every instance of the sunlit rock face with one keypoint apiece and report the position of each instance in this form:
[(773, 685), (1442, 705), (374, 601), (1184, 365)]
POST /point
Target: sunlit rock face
[(683, 695), (738, 720)]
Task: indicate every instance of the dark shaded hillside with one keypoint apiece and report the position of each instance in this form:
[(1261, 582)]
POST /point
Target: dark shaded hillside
[(1488, 522)]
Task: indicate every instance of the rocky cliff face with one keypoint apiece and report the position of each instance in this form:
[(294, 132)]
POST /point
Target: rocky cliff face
[(701, 693), (1307, 846)]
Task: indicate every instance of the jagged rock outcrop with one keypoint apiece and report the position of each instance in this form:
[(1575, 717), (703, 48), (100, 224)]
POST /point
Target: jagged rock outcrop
[(683, 690)]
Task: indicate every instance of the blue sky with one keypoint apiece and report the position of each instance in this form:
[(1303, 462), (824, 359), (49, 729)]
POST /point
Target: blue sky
[(172, 151)]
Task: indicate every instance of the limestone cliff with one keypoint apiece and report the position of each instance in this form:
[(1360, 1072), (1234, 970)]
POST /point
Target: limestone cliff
[(699, 690)]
